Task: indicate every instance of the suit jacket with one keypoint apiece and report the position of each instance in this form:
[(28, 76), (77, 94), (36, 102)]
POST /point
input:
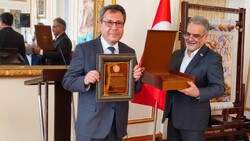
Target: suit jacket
[(190, 113), (35, 60), (61, 52), (12, 39), (94, 119)]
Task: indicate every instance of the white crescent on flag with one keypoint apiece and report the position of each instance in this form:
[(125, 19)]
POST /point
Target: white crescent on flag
[(162, 19), (162, 25)]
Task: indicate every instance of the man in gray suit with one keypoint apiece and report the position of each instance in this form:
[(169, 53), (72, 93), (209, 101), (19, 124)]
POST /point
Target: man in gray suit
[(99, 121), (188, 110)]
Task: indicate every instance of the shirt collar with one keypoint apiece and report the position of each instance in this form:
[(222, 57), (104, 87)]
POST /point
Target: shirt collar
[(105, 44), (58, 36), (192, 54)]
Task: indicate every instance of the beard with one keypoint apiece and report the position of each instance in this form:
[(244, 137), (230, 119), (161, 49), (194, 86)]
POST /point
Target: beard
[(192, 45)]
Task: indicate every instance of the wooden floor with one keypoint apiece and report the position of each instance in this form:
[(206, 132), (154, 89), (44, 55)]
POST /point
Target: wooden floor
[(144, 138)]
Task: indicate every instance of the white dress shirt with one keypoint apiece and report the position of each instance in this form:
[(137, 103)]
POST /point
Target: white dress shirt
[(187, 59), (105, 46)]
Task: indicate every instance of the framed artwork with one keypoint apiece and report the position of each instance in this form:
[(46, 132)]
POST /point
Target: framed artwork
[(224, 43), (41, 9), (88, 19), (16, 20)]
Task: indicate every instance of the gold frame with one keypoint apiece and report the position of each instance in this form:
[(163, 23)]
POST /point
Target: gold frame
[(24, 71), (97, 8), (41, 8)]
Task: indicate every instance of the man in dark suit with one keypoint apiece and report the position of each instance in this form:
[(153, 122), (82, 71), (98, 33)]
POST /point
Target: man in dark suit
[(8, 37), (61, 55), (188, 110), (99, 121)]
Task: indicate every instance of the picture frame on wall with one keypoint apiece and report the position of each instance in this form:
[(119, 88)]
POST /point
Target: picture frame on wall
[(41, 9), (16, 18), (88, 19)]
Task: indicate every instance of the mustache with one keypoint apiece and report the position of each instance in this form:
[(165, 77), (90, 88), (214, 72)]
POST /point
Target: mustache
[(191, 42)]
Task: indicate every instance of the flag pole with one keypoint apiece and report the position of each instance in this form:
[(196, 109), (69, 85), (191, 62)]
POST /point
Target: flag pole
[(155, 119)]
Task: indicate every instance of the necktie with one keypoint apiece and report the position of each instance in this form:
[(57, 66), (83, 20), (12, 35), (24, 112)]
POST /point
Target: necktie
[(112, 49)]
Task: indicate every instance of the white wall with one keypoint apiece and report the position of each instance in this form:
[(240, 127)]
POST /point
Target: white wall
[(19, 116)]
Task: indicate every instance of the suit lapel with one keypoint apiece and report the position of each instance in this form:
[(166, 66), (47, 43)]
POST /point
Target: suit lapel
[(98, 45), (56, 42), (121, 48), (176, 60), (197, 58), (179, 60), (26, 60)]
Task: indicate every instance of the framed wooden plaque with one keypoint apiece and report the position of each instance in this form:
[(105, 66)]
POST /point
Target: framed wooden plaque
[(116, 77), (44, 37)]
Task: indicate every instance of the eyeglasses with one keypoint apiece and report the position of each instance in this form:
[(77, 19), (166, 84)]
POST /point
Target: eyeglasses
[(55, 26), (111, 23), (196, 37)]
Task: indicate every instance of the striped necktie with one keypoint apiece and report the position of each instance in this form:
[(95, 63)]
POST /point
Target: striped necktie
[(112, 49)]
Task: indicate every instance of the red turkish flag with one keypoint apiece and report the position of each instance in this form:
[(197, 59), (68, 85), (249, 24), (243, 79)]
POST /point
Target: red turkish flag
[(150, 95), (162, 19)]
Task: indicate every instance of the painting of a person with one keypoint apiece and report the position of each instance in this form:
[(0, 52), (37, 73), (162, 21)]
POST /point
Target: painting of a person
[(86, 30)]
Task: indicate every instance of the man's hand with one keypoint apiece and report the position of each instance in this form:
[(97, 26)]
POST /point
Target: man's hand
[(137, 72), (192, 91), (91, 77)]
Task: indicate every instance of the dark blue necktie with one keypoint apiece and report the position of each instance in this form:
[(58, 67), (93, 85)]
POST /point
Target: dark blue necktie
[(112, 49)]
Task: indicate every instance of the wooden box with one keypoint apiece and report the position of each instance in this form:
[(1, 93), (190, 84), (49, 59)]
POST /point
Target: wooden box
[(156, 60)]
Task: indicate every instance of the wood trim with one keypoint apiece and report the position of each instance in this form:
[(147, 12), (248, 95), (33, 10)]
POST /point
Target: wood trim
[(158, 137), (97, 8), (143, 120)]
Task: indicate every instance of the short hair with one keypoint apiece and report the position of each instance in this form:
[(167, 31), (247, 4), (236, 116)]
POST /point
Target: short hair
[(7, 18), (61, 22), (201, 21), (113, 8)]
